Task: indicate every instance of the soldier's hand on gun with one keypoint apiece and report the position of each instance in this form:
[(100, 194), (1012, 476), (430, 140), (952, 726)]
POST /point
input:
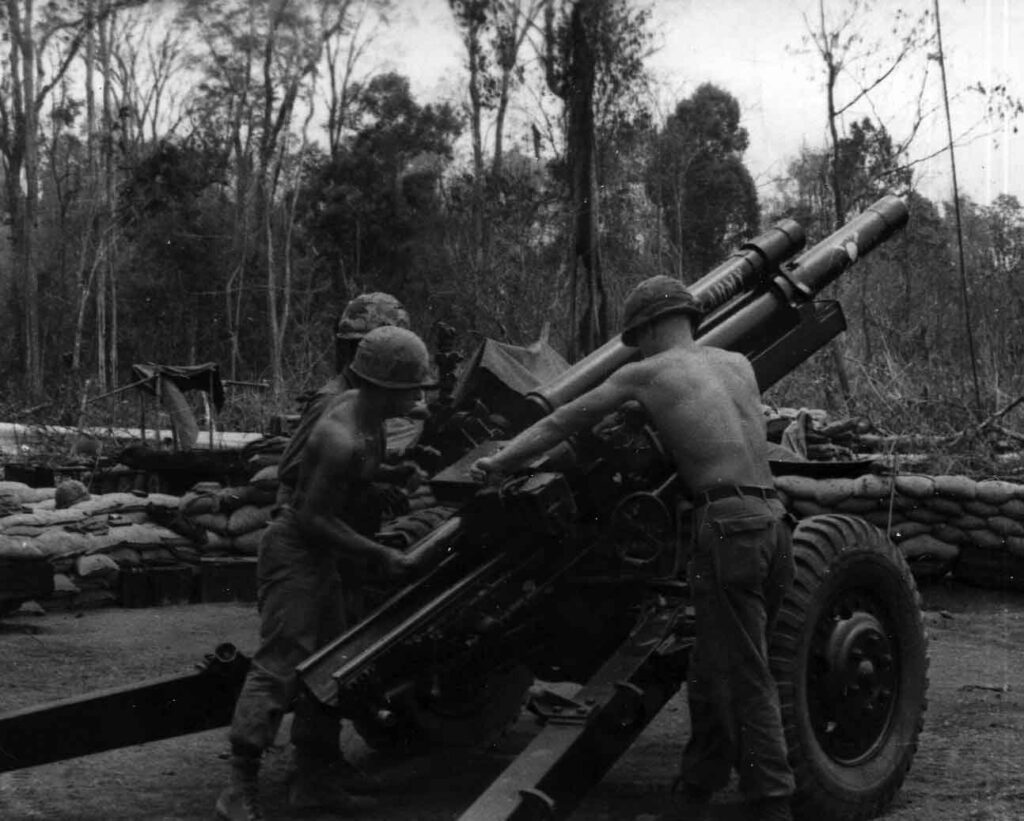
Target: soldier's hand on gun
[(413, 475), (397, 564), (485, 470)]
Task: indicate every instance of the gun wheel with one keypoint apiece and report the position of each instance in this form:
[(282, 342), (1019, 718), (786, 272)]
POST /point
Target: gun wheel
[(450, 713), (849, 654)]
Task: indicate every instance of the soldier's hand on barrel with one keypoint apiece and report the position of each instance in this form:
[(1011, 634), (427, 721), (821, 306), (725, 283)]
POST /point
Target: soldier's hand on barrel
[(485, 469), (397, 564)]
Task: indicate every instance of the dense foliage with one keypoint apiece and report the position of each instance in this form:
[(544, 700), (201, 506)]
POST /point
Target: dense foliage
[(213, 181)]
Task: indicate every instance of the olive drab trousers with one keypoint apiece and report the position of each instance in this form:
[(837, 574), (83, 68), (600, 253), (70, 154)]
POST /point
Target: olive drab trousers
[(301, 608), (741, 565)]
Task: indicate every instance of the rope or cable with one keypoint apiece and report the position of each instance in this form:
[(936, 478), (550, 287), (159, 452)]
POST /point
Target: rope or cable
[(956, 207)]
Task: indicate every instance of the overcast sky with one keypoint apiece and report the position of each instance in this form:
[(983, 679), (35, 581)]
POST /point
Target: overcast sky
[(746, 47)]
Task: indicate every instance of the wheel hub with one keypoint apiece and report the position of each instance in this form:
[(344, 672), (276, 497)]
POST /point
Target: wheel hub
[(856, 680)]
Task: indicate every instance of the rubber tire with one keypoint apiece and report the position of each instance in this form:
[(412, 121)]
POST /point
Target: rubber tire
[(419, 728), (834, 554)]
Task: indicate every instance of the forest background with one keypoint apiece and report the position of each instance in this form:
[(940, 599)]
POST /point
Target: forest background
[(211, 180)]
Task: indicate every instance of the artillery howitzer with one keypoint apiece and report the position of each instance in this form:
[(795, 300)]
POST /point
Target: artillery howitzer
[(570, 572)]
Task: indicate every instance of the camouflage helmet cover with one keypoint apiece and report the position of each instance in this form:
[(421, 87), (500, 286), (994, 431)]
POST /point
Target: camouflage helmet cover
[(368, 311), (653, 298), (393, 357)]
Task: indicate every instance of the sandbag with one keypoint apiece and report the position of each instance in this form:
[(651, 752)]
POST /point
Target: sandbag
[(216, 543), (926, 545), (124, 555), (806, 507), (199, 503), (217, 522), (984, 539), (248, 544), (997, 492), (871, 485), (63, 587), (856, 505), (967, 522), (12, 547), (948, 508), (830, 492), (247, 519), (42, 518), (958, 487), (914, 486), (1013, 509), (883, 519), (947, 533), (24, 531), (973, 507), (799, 487), (148, 534), (907, 530), (23, 494), (1015, 546), (62, 543), (929, 557), (1005, 526), (266, 478), (923, 514), (96, 565)]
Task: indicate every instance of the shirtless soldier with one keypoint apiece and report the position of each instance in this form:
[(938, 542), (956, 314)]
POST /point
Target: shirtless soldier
[(704, 403), (362, 314), (300, 589)]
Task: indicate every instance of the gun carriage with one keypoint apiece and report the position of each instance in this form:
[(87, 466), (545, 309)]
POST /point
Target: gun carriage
[(572, 572)]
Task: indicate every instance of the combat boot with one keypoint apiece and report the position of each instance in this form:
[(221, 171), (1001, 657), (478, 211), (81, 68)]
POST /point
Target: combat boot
[(240, 801), (320, 786)]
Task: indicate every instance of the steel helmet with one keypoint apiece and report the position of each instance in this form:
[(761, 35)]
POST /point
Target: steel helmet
[(368, 311), (392, 357), (68, 492), (653, 298)]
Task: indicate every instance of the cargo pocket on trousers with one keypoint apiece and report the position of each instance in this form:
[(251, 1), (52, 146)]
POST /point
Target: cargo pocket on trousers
[(740, 555)]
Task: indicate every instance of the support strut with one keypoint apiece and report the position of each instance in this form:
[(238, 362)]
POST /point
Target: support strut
[(585, 735), (161, 708)]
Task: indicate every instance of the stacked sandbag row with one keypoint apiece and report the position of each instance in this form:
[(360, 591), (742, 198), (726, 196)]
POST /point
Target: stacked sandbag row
[(973, 529), (224, 521), (405, 500), (90, 541)]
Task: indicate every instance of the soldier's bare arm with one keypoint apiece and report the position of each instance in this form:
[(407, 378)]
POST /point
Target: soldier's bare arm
[(334, 455), (580, 414)]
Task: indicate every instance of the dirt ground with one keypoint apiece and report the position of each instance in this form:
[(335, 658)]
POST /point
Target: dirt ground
[(969, 765)]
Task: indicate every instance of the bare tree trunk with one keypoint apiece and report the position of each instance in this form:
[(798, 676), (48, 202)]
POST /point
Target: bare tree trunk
[(23, 183), (838, 360), (109, 169), (593, 322)]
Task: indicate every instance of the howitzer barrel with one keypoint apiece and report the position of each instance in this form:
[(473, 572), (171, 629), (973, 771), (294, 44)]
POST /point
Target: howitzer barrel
[(807, 275), (752, 264), (822, 264), (757, 266)]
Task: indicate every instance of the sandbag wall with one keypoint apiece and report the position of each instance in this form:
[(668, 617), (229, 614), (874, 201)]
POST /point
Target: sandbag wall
[(90, 543), (942, 524)]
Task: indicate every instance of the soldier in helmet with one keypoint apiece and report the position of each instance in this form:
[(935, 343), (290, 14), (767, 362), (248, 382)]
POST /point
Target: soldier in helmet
[(705, 405), (300, 588), (362, 314)]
